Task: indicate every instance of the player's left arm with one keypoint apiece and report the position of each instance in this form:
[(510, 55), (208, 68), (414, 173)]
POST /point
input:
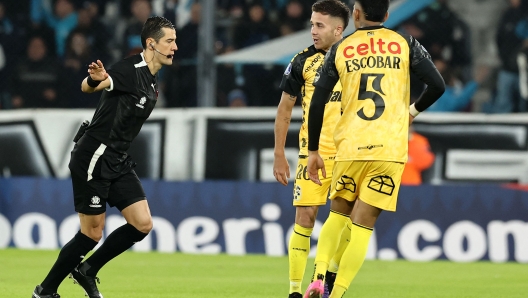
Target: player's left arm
[(324, 83), (424, 68)]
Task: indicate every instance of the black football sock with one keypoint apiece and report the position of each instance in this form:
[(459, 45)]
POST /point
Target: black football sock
[(70, 255), (116, 243), (330, 280)]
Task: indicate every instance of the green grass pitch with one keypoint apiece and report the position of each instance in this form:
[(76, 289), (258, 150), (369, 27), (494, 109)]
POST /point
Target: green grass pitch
[(158, 275)]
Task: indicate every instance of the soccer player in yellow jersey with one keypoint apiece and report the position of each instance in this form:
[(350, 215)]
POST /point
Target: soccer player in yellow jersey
[(329, 20), (373, 66)]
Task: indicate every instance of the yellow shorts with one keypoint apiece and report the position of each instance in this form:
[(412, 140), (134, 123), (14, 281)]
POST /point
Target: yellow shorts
[(375, 182), (307, 193)]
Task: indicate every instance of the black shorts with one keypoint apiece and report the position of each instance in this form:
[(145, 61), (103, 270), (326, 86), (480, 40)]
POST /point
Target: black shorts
[(102, 175)]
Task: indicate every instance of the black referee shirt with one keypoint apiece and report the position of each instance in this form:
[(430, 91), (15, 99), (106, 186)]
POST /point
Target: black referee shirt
[(125, 105)]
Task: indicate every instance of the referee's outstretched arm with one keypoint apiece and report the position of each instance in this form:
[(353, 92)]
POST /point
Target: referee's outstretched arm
[(97, 79)]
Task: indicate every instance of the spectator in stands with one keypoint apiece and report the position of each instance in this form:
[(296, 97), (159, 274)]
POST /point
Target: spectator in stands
[(259, 80), (95, 31), (433, 27), (293, 15), (63, 20), (509, 44), (255, 28), (78, 55), (444, 35), (96, 8), (7, 55), (170, 10), (181, 77), (36, 82), (237, 98), (420, 158), (188, 35), (141, 11), (225, 77), (6, 25), (457, 96), (522, 58)]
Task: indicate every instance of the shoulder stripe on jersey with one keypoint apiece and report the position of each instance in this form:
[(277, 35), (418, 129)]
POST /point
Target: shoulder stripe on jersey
[(94, 160), (142, 63)]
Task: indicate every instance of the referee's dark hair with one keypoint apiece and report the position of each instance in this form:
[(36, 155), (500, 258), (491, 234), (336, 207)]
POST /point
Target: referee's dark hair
[(334, 8), (153, 28), (374, 10)]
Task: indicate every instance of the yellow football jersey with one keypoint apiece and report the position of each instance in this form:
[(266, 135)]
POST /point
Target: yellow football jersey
[(373, 65), (299, 77)]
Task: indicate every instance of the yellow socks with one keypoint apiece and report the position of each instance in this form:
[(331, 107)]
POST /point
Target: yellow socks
[(343, 243), (328, 242), (298, 250), (353, 257), (338, 292)]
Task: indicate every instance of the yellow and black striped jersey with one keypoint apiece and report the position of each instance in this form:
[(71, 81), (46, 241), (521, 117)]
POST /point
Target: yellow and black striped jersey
[(299, 77), (373, 65)]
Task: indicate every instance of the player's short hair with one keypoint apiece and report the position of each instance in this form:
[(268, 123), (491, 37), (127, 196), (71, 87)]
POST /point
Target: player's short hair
[(374, 10), (153, 28), (333, 8)]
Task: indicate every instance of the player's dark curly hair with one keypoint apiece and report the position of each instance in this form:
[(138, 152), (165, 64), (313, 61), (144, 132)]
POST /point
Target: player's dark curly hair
[(153, 28), (334, 8), (374, 10)]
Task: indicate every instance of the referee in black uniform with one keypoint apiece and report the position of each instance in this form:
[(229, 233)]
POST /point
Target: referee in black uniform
[(102, 171)]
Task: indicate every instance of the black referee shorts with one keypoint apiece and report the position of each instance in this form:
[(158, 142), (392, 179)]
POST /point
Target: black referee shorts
[(101, 175)]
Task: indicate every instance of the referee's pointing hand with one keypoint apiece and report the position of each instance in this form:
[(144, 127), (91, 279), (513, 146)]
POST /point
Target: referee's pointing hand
[(97, 71)]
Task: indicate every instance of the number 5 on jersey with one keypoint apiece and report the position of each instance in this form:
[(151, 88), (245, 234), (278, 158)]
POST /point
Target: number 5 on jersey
[(375, 95)]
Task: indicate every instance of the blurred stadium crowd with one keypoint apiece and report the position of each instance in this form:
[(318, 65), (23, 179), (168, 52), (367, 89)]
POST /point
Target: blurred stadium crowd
[(479, 46)]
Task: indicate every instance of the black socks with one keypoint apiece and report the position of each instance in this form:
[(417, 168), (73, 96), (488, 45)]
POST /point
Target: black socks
[(116, 243), (70, 256)]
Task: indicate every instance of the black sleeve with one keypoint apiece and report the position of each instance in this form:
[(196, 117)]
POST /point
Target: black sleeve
[(293, 80), (122, 75), (424, 68), (327, 76), (316, 115), (324, 82)]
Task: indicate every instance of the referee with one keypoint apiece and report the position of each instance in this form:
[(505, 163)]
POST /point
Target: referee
[(102, 171)]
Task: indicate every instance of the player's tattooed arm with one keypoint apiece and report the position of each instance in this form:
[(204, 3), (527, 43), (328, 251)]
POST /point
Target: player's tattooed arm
[(292, 97), (281, 168)]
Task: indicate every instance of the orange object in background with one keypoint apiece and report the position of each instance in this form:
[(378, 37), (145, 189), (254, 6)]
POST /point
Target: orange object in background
[(420, 159)]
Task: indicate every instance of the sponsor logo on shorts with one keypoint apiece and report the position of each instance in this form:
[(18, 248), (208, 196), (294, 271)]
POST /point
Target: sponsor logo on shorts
[(96, 202), (346, 183), (297, 193), (382, 184), (142, 101)]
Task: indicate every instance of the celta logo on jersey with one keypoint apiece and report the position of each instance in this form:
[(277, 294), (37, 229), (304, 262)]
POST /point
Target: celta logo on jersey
[(374, 47), (141, 103), (95, 202)]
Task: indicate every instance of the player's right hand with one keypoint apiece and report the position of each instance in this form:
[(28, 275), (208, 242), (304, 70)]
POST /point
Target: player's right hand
[(281, 169), (315, 162), (97, 71)]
